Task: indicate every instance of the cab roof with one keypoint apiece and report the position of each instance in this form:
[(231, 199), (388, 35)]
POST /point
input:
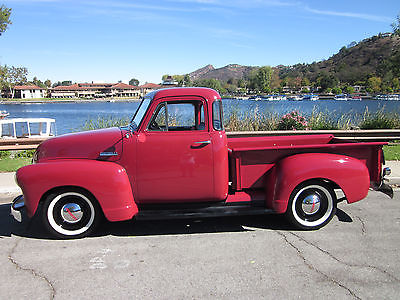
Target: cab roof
[(206, 93)]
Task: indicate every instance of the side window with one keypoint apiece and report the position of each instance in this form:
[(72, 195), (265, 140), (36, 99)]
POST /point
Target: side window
[(178, 116), (217, 115), (159, 120)]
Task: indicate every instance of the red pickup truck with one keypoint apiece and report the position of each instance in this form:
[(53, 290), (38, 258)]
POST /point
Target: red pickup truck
[(175, 160)]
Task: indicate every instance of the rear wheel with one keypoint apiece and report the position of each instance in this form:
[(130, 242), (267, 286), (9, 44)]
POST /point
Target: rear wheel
[(311, 205), (70, 214)]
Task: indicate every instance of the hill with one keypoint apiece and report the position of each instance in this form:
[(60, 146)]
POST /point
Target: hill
[(232, 71), (375, 56)]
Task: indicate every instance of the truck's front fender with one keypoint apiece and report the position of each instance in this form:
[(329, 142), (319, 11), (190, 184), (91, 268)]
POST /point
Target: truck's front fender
[(350, 174), (108, 182)]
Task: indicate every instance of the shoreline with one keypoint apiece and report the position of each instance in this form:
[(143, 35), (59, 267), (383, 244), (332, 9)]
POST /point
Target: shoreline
[(72, 100)]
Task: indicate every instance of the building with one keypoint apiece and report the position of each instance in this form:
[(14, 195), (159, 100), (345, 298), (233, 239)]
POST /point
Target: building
[(95, 90), (148, 88), (29, 92)]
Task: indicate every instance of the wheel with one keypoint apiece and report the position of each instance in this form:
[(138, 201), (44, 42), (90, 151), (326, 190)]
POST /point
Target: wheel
[(311, 205), (71, 214)]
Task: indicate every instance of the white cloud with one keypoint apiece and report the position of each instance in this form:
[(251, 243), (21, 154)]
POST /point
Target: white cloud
[(349, 15)]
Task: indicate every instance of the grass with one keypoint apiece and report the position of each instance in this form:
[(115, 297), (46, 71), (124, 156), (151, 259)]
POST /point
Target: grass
[(12, 164), (392, 152)]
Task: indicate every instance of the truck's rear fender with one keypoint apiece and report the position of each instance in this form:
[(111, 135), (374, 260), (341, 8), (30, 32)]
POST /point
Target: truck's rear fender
[(106, 181), (347, 173)]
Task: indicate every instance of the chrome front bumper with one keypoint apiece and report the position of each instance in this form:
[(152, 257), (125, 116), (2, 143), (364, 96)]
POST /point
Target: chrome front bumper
[(17, 206)]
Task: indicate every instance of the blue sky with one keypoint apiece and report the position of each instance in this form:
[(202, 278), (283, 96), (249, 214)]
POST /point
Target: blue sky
[(107, 41)]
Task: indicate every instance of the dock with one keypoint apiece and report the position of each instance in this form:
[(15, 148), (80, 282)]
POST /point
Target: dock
[(20, 143)]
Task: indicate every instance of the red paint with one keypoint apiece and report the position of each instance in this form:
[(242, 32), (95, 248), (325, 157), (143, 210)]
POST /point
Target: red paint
[(155, 166)]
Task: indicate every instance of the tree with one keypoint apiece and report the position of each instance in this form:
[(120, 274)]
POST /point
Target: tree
[(12, 76), (47, 83), (211, 83), (396, 25), (134, 82), (187, 81), (260, 80), (374, 83), (5, 14)]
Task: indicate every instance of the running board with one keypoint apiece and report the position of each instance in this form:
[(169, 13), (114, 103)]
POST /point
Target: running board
[(203, 212)]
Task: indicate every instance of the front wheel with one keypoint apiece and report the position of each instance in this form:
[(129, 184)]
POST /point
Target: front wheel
[(311, 205), (70, 214)]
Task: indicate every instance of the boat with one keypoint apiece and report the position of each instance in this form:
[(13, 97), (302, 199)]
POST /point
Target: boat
[(3, 114), (255, 98), (311, 97), (355, 97), (27, 128), (295, 98), (275, 97), (342, 97)]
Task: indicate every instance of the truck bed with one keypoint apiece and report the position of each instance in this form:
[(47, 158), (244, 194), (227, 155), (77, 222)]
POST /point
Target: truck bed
[(251, 158)]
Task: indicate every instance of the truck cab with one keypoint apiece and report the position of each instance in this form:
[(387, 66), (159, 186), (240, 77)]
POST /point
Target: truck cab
[(177, 149)]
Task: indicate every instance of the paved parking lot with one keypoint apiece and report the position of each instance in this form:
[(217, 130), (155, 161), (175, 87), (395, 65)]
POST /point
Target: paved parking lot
[(356, 257)]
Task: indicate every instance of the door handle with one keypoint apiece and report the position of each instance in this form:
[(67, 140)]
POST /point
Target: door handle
[(203, 142)]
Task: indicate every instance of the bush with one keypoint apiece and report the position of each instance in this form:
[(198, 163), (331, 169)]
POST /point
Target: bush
[(292, 121), (379, 120), (321, 121), (17, 154), (251, 121), (104, 122)]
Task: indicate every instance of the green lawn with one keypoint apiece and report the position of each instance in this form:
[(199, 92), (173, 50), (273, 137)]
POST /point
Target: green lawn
[(12, 164), (392, 152)]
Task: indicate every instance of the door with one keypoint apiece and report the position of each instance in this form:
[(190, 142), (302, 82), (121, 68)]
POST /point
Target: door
[(175, 159)]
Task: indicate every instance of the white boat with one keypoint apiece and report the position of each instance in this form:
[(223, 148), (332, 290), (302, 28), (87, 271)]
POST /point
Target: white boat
[(388, 97), (295, 98), (342, 97), (311, 97), (3, 114), (27, 128)]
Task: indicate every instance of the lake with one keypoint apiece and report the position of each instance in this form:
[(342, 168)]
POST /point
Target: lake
[(72, 116)]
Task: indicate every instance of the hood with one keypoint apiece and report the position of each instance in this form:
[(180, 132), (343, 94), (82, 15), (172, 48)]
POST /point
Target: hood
[(85, 145)]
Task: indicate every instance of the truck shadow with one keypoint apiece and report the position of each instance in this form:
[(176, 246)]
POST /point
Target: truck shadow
[(33, 229)]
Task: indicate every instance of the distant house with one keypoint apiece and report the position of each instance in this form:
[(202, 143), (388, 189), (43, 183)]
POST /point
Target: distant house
[(29, 92), (169, 82), (149, 87), (95, 90)]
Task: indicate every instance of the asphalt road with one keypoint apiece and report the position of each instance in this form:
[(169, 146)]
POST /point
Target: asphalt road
[(356, 256)]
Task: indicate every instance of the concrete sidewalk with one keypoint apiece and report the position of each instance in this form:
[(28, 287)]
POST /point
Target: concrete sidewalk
[(9, 187)]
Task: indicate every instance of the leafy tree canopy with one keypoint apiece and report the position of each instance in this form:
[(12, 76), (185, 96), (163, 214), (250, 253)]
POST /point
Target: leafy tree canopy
[(5, 14), (134, 82)]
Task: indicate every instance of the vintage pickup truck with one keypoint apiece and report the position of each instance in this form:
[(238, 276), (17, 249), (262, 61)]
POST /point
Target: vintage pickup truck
[(175, 160)]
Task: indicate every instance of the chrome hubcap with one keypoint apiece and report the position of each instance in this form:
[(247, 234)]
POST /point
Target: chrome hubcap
[(71, 213), (311, 204)]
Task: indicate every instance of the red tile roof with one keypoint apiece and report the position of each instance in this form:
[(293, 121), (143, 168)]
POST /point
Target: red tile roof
[(150, 86), (94, 86), (28, 87), (121, 85)]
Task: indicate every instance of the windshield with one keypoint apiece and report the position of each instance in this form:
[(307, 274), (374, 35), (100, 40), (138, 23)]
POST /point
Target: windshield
[(141, 111)]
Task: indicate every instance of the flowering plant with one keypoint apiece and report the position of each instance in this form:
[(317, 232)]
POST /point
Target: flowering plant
[(292, 121)]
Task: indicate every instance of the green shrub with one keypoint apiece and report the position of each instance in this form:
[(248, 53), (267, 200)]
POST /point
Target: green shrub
[(4, 154), (379, 120), (321, 121), (104, 122), (251, 121)]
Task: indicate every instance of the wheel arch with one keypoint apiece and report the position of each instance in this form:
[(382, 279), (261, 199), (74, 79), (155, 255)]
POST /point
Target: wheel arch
[(339, 171), (106, 182)]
